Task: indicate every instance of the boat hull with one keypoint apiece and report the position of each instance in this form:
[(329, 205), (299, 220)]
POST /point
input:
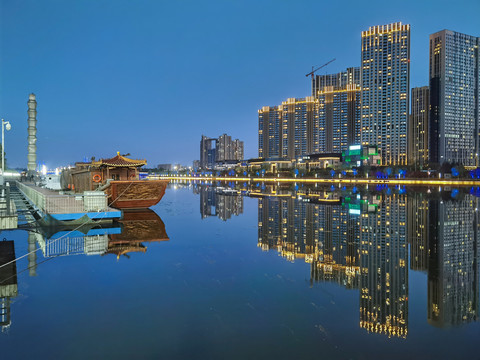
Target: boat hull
[(135, 194)]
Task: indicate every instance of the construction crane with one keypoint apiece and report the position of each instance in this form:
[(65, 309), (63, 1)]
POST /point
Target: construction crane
[(313, 77), (315, 70)]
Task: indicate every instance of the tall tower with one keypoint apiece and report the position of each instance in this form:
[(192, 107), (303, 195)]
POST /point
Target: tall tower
[(454, 90), (385, 77), (32, 134), (418, 127)]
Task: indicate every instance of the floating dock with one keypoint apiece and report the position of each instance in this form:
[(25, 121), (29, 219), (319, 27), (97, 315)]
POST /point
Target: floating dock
[(64, 207)]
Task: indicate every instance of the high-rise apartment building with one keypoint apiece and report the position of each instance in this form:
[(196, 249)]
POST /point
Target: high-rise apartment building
[(237, 150), (454, 98), (300, 127), (290, 130), (385, 76), (223, 149), (418, 126), (339, 110), (270, 132), (207, 152), (337, 81)]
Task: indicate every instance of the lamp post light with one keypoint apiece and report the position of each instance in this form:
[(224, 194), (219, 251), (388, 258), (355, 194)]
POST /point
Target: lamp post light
[(5, 125)]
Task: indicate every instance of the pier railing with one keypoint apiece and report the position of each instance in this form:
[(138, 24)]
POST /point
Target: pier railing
[(51, 202), (8, 211)]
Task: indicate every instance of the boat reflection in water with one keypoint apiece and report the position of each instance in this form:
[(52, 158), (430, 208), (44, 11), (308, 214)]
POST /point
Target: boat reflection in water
[(360, 242), (138, 227), (125, 236), (121, 238)]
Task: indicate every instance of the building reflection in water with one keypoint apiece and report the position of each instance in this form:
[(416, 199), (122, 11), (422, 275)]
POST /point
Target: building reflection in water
[(8, 281), (218, 201), (360, 242), (453, 262), (384, 270)]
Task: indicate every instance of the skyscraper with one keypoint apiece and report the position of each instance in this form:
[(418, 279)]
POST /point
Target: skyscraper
[(454, 98), (385, 77), (418, 126), (339, 110)]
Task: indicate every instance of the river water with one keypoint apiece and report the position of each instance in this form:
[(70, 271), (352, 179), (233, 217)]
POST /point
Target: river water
[(252, 272)]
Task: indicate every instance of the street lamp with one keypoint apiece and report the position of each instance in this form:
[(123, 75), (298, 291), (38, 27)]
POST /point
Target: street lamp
[(5, 125)]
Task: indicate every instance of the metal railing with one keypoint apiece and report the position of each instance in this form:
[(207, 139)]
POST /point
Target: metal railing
[(64, 204), (7, 206), (37, 198)]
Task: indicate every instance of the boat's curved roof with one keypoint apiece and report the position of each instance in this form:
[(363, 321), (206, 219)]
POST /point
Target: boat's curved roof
[(121, 161)]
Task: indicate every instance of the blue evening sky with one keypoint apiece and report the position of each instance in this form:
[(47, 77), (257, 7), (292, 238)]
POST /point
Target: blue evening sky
[(150, 77)]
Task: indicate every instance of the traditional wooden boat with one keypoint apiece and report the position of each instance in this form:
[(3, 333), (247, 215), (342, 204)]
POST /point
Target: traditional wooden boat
[(135, 194), (118, 177)]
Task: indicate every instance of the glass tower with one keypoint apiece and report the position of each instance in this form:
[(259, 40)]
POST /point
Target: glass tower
[(418, 126), (454, 98)]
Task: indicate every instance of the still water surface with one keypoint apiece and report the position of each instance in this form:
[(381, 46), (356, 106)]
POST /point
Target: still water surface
[(263, 272)]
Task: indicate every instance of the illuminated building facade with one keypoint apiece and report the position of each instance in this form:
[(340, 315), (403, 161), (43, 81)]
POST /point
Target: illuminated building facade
[(453, 262), (300, 127), (385, 76), (383, 268), (337, 81), (339, 110), (418, 126), (290, 130), (270, 132), (454, 98)]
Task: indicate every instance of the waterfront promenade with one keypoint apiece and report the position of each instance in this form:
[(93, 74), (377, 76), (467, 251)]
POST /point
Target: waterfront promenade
[(358, 181)]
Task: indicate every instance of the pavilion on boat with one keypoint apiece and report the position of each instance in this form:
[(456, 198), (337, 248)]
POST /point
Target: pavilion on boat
[(88, 176)]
